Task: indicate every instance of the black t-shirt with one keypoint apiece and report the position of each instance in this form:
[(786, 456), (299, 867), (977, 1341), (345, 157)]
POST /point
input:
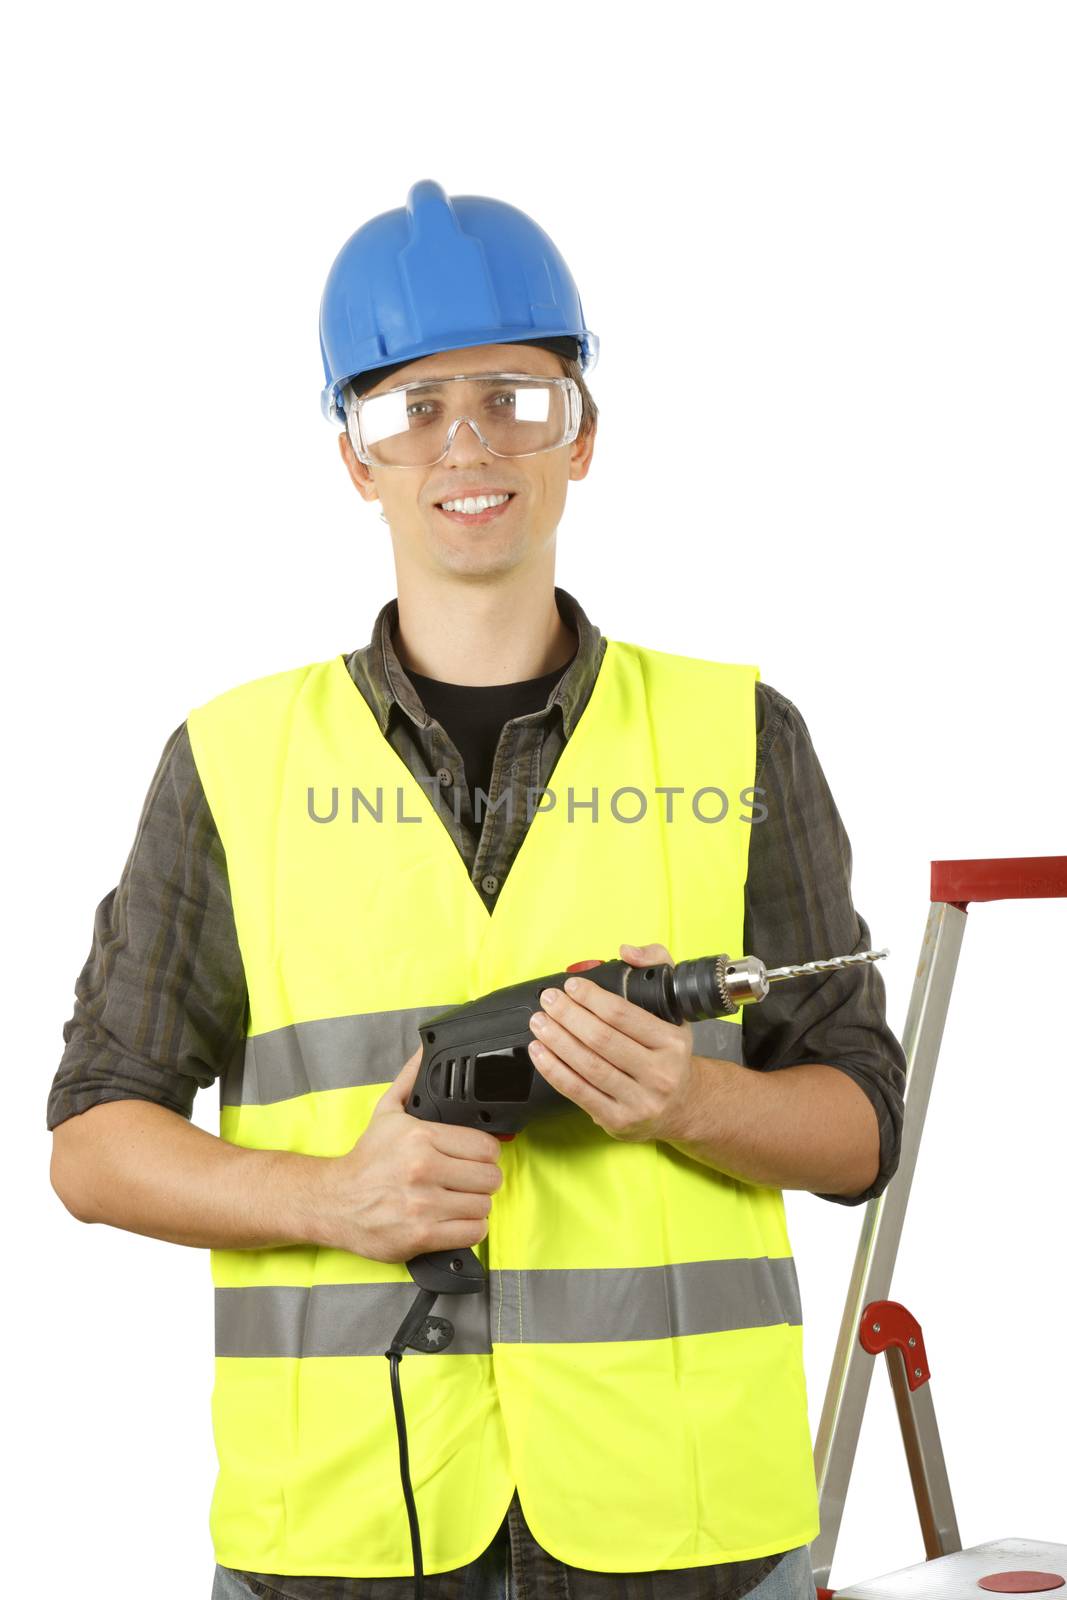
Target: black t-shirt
[(474, 714)]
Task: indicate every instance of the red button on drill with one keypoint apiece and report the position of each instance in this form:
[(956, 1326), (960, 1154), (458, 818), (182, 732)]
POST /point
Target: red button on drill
[(580, 966)]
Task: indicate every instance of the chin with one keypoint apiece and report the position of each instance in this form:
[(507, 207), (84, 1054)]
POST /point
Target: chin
[(499, 558)]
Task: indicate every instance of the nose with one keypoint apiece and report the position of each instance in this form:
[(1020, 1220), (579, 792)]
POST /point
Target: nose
[(463, 444)]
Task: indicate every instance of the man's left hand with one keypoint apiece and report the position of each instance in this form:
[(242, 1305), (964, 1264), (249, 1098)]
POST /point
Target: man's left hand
[(632, 1072)]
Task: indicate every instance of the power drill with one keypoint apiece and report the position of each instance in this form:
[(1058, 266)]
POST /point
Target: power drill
[(476, 1072)]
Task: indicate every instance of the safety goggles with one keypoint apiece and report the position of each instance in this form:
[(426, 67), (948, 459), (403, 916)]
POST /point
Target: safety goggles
[(512, 413)]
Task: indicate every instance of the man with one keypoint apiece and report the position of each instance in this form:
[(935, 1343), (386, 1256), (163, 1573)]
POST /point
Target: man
[(633, 1382)]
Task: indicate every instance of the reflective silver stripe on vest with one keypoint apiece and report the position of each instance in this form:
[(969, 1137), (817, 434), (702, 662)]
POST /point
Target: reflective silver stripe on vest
[(353, 1052), (530, 1307)]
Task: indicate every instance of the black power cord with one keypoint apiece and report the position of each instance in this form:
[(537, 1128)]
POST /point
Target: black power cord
[(418, 1331), (405, 1473)]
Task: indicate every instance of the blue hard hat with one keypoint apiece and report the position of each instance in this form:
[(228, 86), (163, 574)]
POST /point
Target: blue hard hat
[(443, 274)]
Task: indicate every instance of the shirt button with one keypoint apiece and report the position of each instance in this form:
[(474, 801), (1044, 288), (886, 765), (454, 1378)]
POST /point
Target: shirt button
[(490, 884), (444, 776)]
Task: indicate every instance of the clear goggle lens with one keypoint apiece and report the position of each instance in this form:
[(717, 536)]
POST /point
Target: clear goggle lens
[(513, 414)]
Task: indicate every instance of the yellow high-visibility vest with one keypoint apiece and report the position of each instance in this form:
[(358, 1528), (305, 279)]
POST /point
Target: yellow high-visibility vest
[(635, 1368)]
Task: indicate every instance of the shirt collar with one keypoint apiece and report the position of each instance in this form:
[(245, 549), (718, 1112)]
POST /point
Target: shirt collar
[(378, 672)]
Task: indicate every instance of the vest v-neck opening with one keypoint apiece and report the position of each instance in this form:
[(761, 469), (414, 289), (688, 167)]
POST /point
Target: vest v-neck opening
[(425, 806), (473, 717)]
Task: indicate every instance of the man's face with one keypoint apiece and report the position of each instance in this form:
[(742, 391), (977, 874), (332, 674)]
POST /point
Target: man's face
[(428, 537)]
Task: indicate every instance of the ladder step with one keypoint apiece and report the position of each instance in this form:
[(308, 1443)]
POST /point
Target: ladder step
[(1042, 1569)]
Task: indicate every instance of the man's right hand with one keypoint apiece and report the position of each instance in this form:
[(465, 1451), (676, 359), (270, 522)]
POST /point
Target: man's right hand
[(408, 1186)]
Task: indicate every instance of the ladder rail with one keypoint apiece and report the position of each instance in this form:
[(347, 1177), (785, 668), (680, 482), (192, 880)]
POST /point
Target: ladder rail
[(883, 1222), (953, 885), (926, 1461)]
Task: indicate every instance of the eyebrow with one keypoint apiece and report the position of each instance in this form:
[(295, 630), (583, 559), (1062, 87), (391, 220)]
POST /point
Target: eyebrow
[(434, 384)]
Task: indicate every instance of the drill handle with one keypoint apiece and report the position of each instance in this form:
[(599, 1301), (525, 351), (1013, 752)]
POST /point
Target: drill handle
[(448, 1271)]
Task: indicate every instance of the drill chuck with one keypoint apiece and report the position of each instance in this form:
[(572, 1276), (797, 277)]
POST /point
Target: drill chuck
[(710, 986)]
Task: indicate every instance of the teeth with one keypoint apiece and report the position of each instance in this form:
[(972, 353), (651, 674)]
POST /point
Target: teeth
[(472, 505)]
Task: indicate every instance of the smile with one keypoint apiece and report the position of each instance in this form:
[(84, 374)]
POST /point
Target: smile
[(481, 508)]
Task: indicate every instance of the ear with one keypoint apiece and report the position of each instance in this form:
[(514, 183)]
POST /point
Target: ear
[(361, 475), (582, 453)]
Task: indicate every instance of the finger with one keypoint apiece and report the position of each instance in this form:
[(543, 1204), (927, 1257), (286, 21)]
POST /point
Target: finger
[(645, 955), (587, 1042), (623, 1015), (571, 1083), (404, 1081), (464, 1144), (469, 1173)]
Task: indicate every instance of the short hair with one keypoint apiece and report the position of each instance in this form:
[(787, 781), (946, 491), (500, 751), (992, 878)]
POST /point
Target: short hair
[(590, 411)]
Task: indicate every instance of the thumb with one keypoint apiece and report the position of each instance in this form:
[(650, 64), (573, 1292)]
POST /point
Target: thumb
[(397, 1092), (645, 955)]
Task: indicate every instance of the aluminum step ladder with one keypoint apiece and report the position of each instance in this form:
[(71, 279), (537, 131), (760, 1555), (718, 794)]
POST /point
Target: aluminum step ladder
[(874, 1325)]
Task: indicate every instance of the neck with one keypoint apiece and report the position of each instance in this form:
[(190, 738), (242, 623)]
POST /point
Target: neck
[(481, 634)]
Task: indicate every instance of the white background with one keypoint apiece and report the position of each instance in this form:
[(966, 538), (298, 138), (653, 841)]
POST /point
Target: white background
[(833, 237)]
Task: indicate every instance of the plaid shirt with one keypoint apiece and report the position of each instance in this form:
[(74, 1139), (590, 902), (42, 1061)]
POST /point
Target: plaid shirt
[(161, 1004)]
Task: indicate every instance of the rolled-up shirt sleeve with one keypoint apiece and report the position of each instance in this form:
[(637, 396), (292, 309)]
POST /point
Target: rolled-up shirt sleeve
[(798, 907), (160, 1004)]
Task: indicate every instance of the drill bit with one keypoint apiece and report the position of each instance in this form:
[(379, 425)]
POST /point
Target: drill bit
[(822, 966)]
